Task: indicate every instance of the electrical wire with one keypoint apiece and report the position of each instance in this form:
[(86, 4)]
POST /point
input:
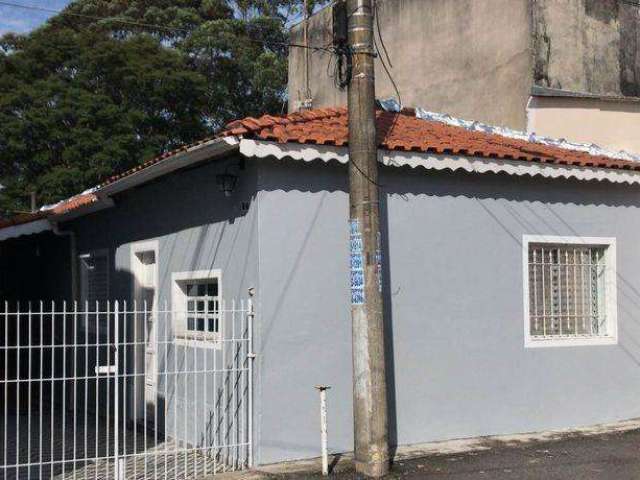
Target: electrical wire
[(384, 65), (90, 17), (377, 18), (153, 26)]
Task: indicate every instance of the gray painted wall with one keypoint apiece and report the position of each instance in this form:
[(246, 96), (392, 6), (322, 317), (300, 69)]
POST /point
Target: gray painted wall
[(458, 367), (197, 228), (453, 274)]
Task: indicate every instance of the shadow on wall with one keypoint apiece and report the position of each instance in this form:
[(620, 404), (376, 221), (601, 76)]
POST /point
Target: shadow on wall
[(511, 204), (170, 204)]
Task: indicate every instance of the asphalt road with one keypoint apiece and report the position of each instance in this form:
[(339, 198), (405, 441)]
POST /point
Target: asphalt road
[(611, 456)]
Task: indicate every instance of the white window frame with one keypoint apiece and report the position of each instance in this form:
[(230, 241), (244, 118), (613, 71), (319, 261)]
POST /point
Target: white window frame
[(179, 309), (611, 292)]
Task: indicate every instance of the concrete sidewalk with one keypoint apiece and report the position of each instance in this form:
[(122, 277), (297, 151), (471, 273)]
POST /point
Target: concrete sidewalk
[(611, 456), (604, 452)]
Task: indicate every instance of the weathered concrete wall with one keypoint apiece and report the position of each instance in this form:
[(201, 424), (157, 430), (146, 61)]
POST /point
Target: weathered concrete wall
[(457, 366), (478, 59), (611, 124), (448, 56), (587, 46)]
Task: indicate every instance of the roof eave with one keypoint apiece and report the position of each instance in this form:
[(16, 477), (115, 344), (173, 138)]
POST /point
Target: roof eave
[(210, 150), (205, 151), (540, 91), (433, 161), (97, 206), (30, 228)]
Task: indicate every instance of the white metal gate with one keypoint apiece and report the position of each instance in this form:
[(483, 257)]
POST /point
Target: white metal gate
[(76, 403)]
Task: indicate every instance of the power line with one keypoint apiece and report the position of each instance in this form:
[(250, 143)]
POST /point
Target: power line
[(386, 53), (149, 25), (89, 17)]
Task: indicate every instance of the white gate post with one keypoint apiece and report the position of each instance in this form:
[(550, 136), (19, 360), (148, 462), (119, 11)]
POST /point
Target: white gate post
[(118, 467), (251, 357)]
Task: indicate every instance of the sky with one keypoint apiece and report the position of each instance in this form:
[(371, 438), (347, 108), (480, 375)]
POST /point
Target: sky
[(19, 20), (13, 19)]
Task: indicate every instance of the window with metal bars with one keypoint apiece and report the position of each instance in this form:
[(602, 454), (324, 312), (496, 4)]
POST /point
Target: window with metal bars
[(196, 297), (569, 290), (202, 307)]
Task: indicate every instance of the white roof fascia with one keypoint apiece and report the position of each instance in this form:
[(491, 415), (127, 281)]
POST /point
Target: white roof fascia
[(98, 205), (198, 153), (191, 156), (30, 228), (429, 161)]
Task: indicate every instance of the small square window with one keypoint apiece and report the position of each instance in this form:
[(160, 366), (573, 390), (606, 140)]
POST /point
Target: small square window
[(197, 295), (570, 293)]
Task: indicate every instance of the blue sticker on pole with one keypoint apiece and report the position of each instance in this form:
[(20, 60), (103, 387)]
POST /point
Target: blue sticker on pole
[(356, 263), (379, 262), (357, 297)]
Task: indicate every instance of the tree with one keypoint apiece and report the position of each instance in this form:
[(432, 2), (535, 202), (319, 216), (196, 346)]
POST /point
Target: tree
[(110, 83)]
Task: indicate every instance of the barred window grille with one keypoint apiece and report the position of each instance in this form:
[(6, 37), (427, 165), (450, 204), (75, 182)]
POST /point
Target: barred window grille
[(203, 307), (567, 291), (198, 294)]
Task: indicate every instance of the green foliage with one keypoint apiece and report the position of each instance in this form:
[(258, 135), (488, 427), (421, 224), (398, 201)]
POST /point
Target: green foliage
[(81, 98)]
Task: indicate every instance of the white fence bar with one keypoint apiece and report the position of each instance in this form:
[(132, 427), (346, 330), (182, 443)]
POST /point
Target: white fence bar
[(77, 405)]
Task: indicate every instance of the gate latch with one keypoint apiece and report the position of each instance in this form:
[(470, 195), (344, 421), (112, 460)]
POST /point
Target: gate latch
[(106, 369)]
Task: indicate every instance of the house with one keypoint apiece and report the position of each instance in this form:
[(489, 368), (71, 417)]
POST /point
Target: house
[(560, 68), (510, 283)]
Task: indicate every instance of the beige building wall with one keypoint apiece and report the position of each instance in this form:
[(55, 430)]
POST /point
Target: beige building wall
[(487, 60), (452, 56), (613, 124)]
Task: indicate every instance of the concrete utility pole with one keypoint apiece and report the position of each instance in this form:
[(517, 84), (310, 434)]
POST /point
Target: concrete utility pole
[(369, 382)]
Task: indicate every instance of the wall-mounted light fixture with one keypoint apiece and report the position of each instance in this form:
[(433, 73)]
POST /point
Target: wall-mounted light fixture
[(227, 183)]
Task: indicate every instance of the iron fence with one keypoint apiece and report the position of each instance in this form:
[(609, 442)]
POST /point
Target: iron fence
[(124, 391)]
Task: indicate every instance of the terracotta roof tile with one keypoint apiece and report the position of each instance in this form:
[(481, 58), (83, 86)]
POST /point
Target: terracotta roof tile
[(74, 203), (395, 131), (405, 132), (61, 208)]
